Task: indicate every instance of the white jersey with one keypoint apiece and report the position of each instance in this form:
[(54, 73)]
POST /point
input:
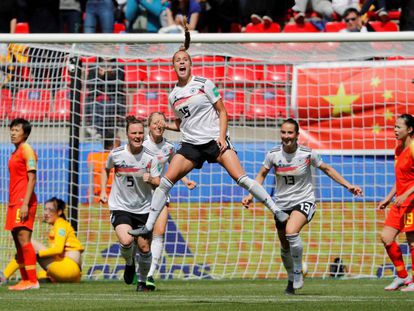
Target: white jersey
[(193, 104), (129, 192), (162, 151), (293, 175)]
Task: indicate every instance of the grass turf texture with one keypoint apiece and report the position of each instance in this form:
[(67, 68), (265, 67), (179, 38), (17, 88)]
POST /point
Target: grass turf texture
[(318, 294)]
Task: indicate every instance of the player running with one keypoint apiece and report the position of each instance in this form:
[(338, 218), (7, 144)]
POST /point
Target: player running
[(294, 194), (401, 215), (136, 174), (202, 119), (164, 151)]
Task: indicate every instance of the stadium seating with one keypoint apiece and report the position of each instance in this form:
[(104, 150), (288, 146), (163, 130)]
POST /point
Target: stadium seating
[(161, 73), (31, 104), (213, 71), (277, 73), (234, 101), (334, 26), (380, 26), (22, 28), (246, 72), (145, 101), (6, 101), (261, 28), (135, 71), (61, 107), (305, 27), (119, 28), (267, 104)]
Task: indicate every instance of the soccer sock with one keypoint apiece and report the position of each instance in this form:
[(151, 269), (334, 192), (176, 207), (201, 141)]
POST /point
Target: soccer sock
[(159, 199), (395, 254), (157, 246), (144, 263), (128, 253), (20, 261), (257, 191), (29, 256), (11, 268), (296, 250), (287, 262)]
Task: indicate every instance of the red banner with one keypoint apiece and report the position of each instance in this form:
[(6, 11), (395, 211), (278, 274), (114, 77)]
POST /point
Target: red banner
[(353, 107)]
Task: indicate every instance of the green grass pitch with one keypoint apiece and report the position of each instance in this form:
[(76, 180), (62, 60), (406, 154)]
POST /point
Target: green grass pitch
[(318, 294)]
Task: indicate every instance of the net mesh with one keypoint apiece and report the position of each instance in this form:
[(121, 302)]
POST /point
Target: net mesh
[(345, 95)]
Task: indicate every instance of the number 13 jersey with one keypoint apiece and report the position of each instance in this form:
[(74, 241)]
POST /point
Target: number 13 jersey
[(193, 104), (293, 175)]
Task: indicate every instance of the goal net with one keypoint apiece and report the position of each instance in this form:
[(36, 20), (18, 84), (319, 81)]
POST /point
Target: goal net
[(345, 94)]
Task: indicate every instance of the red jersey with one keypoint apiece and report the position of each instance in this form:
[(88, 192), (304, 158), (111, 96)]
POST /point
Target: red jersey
[(404, 171), (23, 160)]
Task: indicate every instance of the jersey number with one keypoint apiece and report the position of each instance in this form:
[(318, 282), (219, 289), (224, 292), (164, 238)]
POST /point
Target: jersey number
[(305, 207), (289, 180), (130, 181), (185, 111)]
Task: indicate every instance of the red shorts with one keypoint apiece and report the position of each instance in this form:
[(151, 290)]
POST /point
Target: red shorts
[(13, 217), (401, 218)]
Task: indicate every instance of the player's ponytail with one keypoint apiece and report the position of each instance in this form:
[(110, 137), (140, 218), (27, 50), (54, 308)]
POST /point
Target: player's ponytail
[(187, 40)]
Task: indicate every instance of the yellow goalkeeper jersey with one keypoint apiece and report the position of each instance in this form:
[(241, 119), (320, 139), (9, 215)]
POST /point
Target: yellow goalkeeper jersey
[(62, 238)]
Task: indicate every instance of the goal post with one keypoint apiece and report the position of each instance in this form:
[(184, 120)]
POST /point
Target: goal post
[(344, 89)]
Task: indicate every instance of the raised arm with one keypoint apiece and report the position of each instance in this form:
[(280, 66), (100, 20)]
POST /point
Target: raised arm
[(332, 173)]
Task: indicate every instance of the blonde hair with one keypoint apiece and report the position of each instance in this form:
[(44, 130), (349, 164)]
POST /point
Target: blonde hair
[(187, 39)]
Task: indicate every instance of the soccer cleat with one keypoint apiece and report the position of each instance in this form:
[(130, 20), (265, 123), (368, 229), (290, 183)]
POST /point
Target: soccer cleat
[(129, 273), (150, 283), (398, 282), (142, 287), (297, 280), (25, 285), (281, 216), (289, 290), (409, 288), (143, 232)]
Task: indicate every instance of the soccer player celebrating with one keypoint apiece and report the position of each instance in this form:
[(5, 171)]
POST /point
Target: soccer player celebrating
[(400, 217), (136, 174), (163, 151), (294, 195), (22, 202), (202, 119), (62, 259)]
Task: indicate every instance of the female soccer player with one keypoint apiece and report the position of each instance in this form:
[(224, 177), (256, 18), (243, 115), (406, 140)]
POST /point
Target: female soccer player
[(294, 195), (401, 215), (136, 174), (163, 151), (22, 202), (202, 119), (62, 260)]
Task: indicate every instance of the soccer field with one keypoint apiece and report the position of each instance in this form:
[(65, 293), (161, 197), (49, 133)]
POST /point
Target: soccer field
[(317, 294)]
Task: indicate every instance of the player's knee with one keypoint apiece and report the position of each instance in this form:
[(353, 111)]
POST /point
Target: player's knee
[(126, 244), (165, 185), (385, 239)]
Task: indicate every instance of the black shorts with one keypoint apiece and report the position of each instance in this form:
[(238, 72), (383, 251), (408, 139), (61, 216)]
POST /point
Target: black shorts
[(306, 208), (126, 218), (200, 153)]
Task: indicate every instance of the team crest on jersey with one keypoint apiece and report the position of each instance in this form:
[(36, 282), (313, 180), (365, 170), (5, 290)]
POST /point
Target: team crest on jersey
[(193, 90)]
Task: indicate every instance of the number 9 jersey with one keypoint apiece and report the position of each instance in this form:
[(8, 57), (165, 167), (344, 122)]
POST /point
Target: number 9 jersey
[(293, 175)]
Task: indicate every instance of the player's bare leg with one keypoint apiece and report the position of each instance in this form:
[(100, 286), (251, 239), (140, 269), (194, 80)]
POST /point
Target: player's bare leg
[(229, 160)]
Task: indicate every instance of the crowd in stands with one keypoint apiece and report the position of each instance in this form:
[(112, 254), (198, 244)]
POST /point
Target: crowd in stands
[(165, 16)]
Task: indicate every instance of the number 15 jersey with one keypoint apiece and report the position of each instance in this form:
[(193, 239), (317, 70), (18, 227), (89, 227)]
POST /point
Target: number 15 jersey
[(193, 104), (293, 175)]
